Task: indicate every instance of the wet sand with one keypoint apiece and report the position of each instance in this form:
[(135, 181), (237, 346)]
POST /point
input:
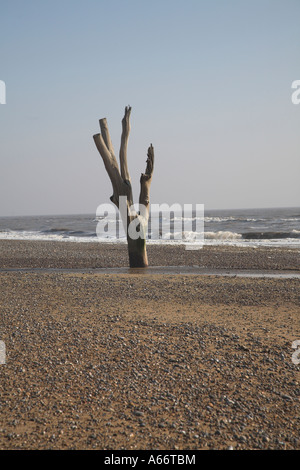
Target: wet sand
[(120, 360)]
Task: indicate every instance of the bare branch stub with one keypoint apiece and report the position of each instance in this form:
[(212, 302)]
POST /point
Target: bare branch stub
[(124, 142), (106, 136), (145, 180)]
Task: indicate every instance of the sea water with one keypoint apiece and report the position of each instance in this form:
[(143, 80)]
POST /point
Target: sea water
[(242, 227)]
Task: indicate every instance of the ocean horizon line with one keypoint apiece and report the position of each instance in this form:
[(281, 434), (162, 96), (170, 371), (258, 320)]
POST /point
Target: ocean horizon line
[(66, 214)]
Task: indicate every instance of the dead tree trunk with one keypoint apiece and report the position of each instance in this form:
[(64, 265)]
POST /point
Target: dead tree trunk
[(135, 223)]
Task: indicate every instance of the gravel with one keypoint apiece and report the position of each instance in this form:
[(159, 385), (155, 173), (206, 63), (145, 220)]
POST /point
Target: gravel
[(46, 254), (103, 361)]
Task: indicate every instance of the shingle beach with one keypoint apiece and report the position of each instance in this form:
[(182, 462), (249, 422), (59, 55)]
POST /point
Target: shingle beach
[(98, 359)]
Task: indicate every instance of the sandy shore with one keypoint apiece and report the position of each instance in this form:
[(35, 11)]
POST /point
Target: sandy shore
[(131, 361), (45, 254)]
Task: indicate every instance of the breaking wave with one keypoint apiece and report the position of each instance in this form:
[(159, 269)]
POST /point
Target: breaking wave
[(271, 235)]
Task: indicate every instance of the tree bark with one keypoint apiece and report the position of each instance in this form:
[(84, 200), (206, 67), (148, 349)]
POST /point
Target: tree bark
[(121, 184)]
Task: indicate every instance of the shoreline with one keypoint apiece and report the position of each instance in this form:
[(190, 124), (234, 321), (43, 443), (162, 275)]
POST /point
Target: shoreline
[(163, 270), (47, 254)]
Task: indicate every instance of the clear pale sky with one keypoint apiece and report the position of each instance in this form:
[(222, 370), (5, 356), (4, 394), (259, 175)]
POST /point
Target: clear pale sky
[(209, 82)]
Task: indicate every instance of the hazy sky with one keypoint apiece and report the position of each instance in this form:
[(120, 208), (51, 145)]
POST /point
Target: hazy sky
[(209, 82)]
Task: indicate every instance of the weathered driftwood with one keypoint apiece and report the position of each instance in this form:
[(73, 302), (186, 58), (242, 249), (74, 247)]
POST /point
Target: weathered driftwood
[(134, 222)]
